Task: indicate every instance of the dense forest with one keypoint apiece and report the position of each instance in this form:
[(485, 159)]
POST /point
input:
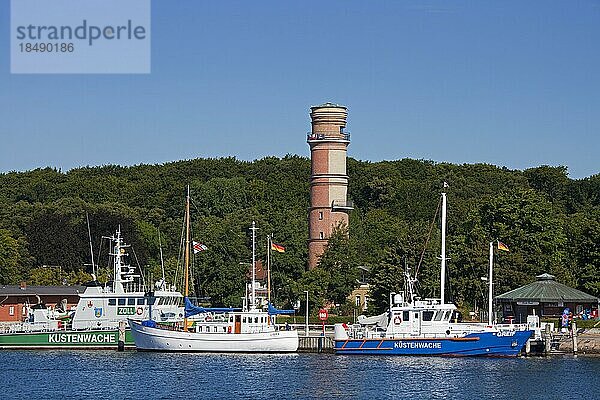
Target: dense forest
[(550, 222)]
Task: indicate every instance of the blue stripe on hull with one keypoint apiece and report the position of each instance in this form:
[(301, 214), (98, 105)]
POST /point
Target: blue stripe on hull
[(475, 344)]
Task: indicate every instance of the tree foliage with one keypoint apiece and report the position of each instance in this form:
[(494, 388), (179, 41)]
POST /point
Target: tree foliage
[(550, 222)]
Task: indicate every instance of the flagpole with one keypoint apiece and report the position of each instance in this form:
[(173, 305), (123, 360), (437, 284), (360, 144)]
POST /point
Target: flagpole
[(269, 241), (490, 285)]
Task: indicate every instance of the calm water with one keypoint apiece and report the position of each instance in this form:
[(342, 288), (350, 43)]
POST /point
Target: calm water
[(132, 375)]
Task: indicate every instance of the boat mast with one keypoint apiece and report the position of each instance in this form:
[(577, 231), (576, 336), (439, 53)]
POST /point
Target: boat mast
[(253, 293), (443, 256), (187, 250), (490, 291)]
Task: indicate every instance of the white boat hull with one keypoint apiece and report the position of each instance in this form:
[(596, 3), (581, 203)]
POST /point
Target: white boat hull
[(157, 339)]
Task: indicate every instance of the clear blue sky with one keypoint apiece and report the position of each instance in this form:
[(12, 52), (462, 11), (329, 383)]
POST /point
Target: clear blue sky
[(515, 84)]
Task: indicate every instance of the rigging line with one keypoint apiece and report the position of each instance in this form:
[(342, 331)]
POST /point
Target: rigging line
[(179, 255), (99, 251), (194, 204), (193, 262), (428, 237), (87, 217), (140, 268)]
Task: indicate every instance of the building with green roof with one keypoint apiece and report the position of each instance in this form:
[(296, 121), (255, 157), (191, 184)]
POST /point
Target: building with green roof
[(545, 297)]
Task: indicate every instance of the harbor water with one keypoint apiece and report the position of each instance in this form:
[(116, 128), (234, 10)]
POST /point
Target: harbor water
[(133, 375)]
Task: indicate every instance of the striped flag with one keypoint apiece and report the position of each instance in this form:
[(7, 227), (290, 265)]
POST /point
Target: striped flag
[(277, 247), (198, 247), (502, 246)]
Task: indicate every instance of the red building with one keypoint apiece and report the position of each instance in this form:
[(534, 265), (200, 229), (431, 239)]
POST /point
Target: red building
[(14, 299)]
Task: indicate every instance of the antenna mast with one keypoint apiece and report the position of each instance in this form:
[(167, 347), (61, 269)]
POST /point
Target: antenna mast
[(443, 256)]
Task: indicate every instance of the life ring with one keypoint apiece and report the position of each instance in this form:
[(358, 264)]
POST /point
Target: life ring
[(207, 318), (139, 311), (229, 329), (397, 320)]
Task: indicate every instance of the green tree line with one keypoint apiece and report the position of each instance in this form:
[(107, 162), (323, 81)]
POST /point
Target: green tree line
[(550, 222)]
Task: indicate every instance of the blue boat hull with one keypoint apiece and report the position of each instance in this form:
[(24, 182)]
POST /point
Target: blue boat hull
[(476, 344)]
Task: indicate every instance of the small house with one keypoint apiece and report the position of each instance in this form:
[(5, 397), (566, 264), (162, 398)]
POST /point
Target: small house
[(547, 298)]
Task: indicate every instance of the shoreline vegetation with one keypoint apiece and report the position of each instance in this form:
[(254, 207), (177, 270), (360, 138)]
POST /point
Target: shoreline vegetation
[(550, 222)]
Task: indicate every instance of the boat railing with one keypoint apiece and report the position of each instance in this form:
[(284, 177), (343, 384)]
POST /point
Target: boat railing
[(32, 327)]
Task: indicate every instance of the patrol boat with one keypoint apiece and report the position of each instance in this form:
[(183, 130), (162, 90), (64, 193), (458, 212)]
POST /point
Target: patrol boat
[(415, 326), (217, 329), (94, 323)]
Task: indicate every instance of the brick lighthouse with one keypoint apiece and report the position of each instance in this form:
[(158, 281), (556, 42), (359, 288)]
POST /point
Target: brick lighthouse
[(328, 180)]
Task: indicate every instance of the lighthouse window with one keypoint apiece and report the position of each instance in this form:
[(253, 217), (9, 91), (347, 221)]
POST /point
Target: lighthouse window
[(321, 236), (121, 302), (112, 302), (427, 315), (131, 302), (320, 214)]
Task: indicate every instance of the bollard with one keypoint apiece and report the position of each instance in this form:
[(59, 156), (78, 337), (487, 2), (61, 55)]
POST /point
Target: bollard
[(121, 345), (547, 340), (574, 327)]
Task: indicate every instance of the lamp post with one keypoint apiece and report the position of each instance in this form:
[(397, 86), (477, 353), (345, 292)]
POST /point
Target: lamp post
[(306, 321)]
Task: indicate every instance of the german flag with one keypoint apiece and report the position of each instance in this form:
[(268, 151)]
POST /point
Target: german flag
[(502, 246), (277, 247)]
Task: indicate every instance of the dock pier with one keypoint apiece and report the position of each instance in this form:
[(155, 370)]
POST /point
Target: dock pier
[(315, 344), (315, 340)]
